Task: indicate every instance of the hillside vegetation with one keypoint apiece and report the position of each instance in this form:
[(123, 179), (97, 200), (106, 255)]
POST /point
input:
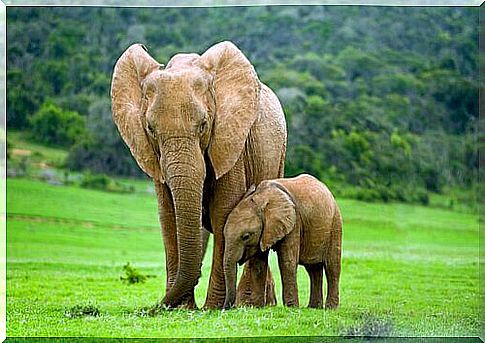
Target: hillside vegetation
[(381, 102)]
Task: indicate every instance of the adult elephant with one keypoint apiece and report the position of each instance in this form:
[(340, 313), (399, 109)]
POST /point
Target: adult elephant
[(204, 128)]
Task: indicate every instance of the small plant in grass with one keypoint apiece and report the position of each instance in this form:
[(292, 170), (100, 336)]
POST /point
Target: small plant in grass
[(82, 311), (132, 275)]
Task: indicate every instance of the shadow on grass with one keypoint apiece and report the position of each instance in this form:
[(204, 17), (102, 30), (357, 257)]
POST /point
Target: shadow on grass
[(79, 311), (370, 327)]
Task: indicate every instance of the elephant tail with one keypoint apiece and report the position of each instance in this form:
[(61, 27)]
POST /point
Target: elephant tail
[(337, 222), (336, 235)]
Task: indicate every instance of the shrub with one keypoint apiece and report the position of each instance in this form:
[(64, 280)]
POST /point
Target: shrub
[(98, 157), (413, 194), (422, 197), (104, 183), (55, 126), (367, 194)]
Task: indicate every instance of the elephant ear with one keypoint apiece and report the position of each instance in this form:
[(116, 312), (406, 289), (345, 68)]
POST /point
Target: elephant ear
[(279, 216), (126, 95), (236, 90)]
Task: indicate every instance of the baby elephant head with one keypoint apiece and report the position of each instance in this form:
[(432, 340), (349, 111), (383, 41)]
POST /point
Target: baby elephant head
[(263, 217)]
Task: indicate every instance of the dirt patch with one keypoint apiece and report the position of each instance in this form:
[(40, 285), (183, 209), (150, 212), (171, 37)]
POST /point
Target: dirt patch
[(21, 152)]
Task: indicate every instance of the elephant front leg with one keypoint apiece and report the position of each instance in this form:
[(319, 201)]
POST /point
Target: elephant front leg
[(288, 251), (228, 190), (288, 269), (216, 291), (169, 233)]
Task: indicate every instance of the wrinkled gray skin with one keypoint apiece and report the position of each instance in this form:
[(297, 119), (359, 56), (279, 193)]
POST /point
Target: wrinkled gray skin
[(298, 218), (204, 128)]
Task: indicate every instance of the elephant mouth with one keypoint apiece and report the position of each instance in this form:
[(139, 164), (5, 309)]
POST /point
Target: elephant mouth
[(242, 259), (249, 252)]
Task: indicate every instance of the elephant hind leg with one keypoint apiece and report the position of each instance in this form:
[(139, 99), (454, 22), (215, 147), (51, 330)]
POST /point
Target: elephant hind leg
[(333, 262), (270, 294), (332, 273), (253, 283), (315, 271)]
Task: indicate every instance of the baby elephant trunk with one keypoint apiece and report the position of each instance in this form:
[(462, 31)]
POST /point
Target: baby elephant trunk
[(231, 256)]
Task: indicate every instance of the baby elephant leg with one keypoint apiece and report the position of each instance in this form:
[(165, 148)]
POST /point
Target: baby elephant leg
[(315, 271), (332, 272), (288, 267)]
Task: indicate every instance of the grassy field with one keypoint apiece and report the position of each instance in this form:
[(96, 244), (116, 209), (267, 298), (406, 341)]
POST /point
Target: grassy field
[(407, 270)]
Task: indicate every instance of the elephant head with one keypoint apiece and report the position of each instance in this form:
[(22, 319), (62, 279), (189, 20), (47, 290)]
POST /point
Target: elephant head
[(259, 221), (178, 119)]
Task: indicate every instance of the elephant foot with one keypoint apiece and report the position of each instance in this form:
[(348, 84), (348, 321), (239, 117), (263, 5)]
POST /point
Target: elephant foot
[(186, 302), (315, 304), (331, 304), (248, 298), (213, 303)]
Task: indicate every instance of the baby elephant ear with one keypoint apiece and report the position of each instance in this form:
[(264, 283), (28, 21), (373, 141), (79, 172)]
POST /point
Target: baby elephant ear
[(250, 190), (279, 217)]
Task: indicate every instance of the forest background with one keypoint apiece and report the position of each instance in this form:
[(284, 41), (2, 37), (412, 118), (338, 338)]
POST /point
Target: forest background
[(381, 103)]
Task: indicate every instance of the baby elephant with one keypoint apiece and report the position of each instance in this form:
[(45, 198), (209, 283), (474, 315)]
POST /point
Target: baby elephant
[(300, 220)]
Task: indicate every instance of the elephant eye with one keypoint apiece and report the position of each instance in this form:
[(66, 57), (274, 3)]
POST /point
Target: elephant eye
[(150, 130), (203, 126), (246, 236)]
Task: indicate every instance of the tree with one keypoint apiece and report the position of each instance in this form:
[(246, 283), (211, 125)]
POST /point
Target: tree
[(53, 125)]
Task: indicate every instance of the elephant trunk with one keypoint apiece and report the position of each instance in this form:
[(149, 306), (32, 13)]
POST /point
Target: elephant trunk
[(231, 257), (185, 180)]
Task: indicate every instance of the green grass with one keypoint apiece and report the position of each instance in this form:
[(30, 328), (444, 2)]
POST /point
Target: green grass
[(413, 267)]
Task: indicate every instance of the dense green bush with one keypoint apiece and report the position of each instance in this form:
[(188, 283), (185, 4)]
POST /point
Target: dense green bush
[(53, 125), (104, 183)]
